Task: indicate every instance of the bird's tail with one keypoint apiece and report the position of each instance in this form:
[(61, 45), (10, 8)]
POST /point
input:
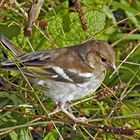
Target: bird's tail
[(5, 42), (9, 45)]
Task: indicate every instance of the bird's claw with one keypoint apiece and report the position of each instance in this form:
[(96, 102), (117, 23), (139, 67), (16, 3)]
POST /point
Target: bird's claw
[(81, 120)]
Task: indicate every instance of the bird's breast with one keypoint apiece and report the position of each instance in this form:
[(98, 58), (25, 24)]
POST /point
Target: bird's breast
[(61, 91)]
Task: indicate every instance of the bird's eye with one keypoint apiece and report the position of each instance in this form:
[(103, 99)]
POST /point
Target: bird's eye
[(103, 59)]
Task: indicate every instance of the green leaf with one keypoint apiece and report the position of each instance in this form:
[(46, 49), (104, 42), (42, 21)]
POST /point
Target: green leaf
[(51, 135), (10, 96), (95, 23), (23, 134), (13, 135)]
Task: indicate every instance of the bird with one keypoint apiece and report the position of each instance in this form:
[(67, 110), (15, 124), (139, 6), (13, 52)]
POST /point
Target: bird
[(64, 74)]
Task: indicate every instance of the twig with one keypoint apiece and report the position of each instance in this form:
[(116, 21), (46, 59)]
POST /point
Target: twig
[(80, 14)]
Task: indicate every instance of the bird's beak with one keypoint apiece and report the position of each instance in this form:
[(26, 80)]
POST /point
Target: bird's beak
[(113, 67)]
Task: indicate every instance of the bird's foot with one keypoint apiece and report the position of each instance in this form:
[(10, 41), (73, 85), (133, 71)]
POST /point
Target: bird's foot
[(76, 120), (80, 120)]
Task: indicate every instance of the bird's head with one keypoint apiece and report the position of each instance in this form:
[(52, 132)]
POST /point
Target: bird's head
[(101, 54)]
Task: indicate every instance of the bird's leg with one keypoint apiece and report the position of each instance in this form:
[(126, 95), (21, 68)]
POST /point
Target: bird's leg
[(57, 108), (70, 115), (67, 107)]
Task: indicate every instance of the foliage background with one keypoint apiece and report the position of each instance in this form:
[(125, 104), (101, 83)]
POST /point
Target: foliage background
[(23, 108)]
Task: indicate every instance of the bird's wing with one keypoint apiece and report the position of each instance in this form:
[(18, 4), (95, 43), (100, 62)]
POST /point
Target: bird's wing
[(38, 64)]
